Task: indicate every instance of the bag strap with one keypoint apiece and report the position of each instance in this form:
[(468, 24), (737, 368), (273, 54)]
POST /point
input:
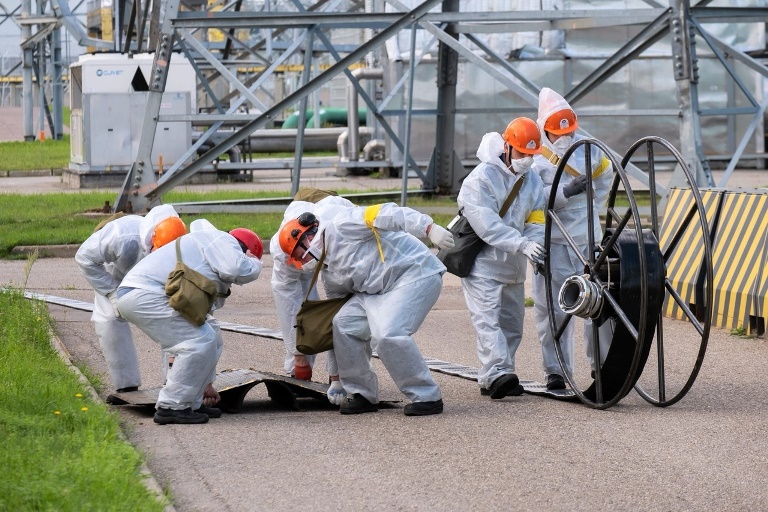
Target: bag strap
[(510, 198), (512, 195), (178, 250), (109, 219), (317, 270)]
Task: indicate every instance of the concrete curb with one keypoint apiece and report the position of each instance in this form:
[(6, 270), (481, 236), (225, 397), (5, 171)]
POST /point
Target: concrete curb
[(66, 251), (147, 478), (30, 173), (47, 251)]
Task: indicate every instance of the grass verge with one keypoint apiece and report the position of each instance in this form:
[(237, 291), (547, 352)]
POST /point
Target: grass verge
[(58, 218), (61, 450), (28, 156)]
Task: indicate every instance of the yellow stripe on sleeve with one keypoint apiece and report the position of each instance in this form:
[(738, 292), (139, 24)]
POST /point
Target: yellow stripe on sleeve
[(604, 164), (370, 215), (536, 217)]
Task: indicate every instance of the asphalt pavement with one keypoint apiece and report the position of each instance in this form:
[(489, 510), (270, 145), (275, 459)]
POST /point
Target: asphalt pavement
[(706, 452)]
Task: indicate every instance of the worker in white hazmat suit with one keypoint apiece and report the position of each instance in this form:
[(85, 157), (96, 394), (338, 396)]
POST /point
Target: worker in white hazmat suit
[(558, 123), (494, 289), (289, 287), (374, 253), (104, 259), (223, 258)]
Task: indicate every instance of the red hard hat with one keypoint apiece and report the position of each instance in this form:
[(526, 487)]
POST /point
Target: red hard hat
[(250, 239)]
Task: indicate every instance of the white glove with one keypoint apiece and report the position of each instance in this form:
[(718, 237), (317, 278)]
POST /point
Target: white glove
[(534, 252), (336, 392), (112, 296), (441, 237)]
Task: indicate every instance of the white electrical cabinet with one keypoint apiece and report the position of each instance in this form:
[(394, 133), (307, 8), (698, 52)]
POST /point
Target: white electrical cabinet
[(108, 95)]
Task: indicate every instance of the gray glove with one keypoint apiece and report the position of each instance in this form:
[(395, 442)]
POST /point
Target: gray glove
[(576, 186), (534, 252)]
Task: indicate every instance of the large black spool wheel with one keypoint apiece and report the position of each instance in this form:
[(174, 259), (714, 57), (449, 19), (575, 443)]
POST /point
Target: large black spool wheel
[(690, 239), (622, 282)]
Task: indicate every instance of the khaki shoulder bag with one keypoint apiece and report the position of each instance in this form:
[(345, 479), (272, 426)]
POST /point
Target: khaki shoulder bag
[(314, 321), (191, 293)]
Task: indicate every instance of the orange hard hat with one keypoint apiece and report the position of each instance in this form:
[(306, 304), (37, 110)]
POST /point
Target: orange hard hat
[(250, 240), (523, 135), (292, 233), (167, 231), (561, 122)]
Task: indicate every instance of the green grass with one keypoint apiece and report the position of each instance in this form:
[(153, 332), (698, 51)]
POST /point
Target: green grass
[(26, 156), (61, 450), (57, 218), (55, 154)]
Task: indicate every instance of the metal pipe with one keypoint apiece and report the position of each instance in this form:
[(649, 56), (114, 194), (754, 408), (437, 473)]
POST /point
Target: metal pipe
[(353, 123), (371, 147), (341, 146), (27, 60), (57, 91)]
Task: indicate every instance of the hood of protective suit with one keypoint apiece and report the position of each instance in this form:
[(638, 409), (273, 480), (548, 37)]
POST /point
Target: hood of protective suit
[(490, 148), (549, 103), (154, 217), (200, 225)]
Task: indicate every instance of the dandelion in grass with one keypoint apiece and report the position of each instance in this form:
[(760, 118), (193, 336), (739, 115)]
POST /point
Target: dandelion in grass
[(79, 395), (84, 409), (57, 413)]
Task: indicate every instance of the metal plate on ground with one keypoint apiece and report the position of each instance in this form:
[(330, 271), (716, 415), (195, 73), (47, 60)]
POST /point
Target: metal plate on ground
[(537, 388), (145, 397), (233, 385)]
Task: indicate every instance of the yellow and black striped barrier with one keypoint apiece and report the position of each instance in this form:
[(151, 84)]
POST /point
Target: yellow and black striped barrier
[(738, 222)]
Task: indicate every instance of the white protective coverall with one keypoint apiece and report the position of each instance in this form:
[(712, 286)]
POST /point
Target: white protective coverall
[(494, 289), (143, 302), (374, 253), (289, 284), (573, 213), (104, 259)]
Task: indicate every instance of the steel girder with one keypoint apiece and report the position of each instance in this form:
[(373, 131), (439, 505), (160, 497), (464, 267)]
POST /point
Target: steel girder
[(680, 21)]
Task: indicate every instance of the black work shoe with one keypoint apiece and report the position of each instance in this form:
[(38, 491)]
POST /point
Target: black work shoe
[(424, 408), (357, 404), (555, 382), (165, 416), (503, 385), (519, 390), (126, 390), (211, 412)]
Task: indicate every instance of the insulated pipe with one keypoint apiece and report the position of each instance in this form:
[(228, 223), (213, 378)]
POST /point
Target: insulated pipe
[(370, 61), (341, 146), (353, 124), (341, 143), (369, 149)]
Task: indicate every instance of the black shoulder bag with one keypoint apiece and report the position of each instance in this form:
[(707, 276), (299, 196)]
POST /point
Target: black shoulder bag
[(460, 259)]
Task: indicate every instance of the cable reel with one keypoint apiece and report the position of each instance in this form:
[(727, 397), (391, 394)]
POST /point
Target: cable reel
[(623, 286)]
